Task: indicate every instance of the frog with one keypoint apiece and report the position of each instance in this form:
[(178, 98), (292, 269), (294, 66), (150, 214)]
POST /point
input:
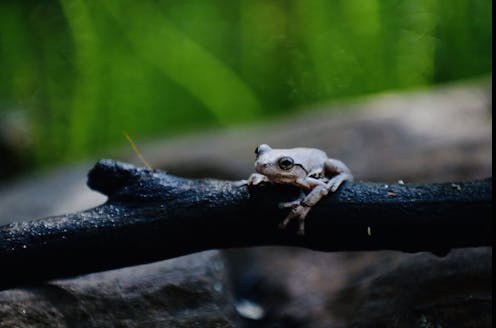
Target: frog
[(310, 169)]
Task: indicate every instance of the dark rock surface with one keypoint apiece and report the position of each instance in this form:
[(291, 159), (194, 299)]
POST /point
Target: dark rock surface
[(301, 288), (423, 290), (189, 291)]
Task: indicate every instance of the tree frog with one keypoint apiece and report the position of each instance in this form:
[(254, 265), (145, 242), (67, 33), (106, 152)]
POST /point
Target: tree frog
[(308, 168)]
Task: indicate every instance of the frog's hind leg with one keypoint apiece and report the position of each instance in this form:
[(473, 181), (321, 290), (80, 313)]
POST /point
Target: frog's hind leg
[(339, 173), (334, 183)]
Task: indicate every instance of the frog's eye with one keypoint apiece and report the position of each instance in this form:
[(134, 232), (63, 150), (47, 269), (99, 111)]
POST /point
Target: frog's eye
[(286, 163)]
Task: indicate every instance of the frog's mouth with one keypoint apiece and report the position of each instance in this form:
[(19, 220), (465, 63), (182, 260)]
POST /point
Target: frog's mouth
[(301, 166), (271, 170)]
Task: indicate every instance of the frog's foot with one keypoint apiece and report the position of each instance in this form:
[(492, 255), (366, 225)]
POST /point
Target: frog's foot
[(293, 203), (334, 183), (240, 183), (300, 212), (256, 179)]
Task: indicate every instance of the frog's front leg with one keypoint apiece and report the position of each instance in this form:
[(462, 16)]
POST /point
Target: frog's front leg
[(301, 206), (319, 190), (310, 200), (300, 212), (307, 183), (254, 179), (293, 203)]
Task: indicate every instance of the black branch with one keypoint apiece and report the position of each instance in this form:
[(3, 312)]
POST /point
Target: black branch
[(151, 215)]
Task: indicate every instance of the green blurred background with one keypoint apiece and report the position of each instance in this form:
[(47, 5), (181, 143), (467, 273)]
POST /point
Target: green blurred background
[(75, 74)]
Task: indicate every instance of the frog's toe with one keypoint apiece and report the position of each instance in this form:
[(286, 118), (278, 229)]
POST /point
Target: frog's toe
[(292, 214), (334, 184), (256, 179), (336, 181), (299, 212), (284, 223), (241, 183), (292, 204)]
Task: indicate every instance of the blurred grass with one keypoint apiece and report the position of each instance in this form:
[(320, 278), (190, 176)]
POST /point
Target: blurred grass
[(84, 71)]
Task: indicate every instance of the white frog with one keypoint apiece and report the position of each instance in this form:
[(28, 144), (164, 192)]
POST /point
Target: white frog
[(308, 168)]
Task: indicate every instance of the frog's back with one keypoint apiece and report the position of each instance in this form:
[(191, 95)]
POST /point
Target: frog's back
[(312, 157)]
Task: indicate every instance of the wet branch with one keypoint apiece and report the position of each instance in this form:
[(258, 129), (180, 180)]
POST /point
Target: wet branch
[(151, 215)]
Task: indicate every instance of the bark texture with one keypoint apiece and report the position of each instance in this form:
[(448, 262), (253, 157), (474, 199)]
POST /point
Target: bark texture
[(151, 215)]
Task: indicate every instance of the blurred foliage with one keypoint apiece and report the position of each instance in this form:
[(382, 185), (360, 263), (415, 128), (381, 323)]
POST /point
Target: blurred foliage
[(84, 71)]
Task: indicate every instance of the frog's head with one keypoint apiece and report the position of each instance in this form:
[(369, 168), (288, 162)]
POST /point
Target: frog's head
[(277, 165), (263, 148)]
